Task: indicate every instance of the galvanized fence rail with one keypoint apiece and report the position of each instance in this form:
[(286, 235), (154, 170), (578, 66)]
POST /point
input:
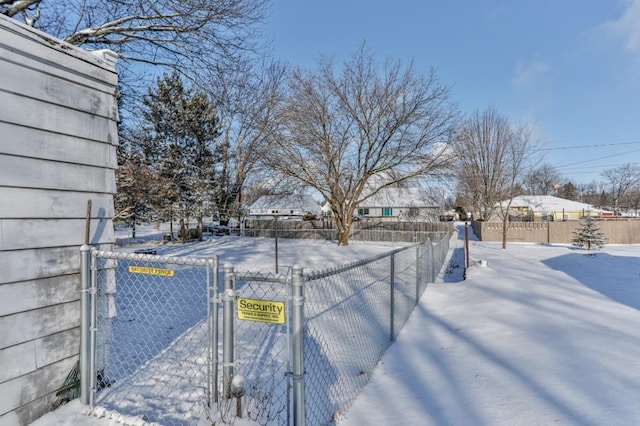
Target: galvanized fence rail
[(296, 347), (384, 235)]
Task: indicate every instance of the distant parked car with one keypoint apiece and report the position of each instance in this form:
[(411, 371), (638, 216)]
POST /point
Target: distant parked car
[(222, 230), (209, 228), (310, 216), (215, 229)]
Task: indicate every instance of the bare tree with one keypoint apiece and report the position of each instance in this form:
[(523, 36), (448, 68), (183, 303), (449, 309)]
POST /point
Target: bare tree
[(621, 180), (194, 37), (593, 193), (493, 155), (247, 101), (349, 133), (543, 180)]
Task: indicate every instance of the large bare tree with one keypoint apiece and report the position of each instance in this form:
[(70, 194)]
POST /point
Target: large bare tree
[(349, 131), (494, 154), (194, 37), (621, 180), (543, 180), (247, 106)]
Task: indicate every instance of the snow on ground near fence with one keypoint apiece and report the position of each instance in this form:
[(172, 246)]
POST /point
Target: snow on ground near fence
[(541, 334)]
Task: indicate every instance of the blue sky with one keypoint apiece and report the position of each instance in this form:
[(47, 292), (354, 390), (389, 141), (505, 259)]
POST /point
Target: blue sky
[(570, 67)]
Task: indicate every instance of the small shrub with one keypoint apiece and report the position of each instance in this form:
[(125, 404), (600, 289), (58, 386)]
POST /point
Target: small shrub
[(192, 234)]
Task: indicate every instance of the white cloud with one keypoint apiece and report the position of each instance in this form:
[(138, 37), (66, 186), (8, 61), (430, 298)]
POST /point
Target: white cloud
[(528, 73), (627, 27)]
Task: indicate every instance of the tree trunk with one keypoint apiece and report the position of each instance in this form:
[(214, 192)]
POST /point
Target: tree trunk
[(505, 228), (343, 237), (343, 231), (200, 229), (183, 231)]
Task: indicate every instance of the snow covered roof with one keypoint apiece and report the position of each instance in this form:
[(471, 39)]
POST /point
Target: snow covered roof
[(549, 203), (285, 204), (404, 197)]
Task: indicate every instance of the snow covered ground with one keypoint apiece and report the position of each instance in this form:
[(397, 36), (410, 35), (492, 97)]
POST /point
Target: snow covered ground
[(542, 334)]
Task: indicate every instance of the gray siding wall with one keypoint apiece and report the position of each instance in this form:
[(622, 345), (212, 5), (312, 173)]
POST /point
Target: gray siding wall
[(58, 137)]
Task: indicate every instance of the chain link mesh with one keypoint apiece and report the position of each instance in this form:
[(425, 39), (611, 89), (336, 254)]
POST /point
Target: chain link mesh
[(156, 364), (353, 313)]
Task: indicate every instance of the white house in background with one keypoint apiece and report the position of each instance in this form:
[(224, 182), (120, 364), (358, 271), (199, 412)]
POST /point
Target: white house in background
[(547, 208), (403, 205), (285, 206)]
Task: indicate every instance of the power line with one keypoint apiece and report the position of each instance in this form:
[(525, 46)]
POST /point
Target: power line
[(589, 146), (597, 159)]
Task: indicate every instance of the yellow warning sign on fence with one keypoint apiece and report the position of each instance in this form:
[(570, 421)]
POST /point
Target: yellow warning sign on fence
[(151, 271), (261, 311)]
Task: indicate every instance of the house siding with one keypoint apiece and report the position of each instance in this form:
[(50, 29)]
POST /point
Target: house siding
[(58, 120)]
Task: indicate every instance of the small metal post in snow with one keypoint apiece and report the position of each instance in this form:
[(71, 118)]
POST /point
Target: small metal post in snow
[(466, 243), (392, 274), (418, 269), (297, 329), (228, 298), (275, 229)]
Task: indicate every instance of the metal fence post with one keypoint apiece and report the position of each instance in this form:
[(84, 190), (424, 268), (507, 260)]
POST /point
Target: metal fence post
[(392, 274), (432, 259), (212, 315), (418, 270), (85, 323), (297, 327), (93, 297), (227, 329)]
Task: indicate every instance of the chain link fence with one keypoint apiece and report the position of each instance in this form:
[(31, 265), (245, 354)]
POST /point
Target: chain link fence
[(159, 358), (353, 315)]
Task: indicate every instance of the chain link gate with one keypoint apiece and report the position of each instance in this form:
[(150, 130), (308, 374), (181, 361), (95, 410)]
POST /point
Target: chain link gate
[(151, 352), (161, 330), (257, 325)]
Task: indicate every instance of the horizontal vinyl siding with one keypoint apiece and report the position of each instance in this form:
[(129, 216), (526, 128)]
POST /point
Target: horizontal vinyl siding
[(30, 203), (58, 121)]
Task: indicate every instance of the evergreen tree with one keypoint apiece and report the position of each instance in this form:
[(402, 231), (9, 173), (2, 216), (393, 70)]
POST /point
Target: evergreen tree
[(177, 144), (569, 191), (588, 235)]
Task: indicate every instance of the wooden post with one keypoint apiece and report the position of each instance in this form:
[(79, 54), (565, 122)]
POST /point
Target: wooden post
[(87, 230)]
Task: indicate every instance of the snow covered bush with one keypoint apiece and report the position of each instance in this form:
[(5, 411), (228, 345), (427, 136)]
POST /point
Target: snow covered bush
[(588, 235)]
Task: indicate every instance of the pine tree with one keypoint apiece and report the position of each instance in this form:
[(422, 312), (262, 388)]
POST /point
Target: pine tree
[(179, 144), (588, 235)]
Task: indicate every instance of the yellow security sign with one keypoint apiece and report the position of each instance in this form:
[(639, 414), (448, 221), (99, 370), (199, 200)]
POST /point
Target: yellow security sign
[(261, 311), (151, 271)]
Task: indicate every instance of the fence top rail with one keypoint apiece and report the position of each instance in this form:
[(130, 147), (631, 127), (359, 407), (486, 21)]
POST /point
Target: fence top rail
[(316, 275), (143, 257), (262, 277)]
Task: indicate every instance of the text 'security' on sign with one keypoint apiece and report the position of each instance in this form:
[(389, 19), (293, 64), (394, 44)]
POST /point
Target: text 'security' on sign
[(261, 311), (151, 271)]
